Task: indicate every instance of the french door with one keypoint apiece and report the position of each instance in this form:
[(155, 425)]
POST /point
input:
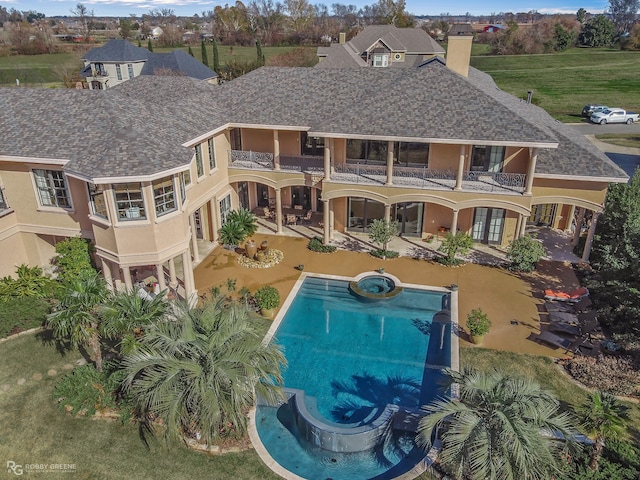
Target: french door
[(488, 224)]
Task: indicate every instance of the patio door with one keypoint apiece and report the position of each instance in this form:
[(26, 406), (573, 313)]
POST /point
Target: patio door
[(487, 225), (410, 215), (543, 215), (243, 194), (301, 196), (263, 194)]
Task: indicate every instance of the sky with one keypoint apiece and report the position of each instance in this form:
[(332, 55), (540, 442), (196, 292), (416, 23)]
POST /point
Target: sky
[(114, 8)]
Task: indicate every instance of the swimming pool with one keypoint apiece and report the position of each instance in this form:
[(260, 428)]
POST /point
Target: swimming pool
[(358, 372)]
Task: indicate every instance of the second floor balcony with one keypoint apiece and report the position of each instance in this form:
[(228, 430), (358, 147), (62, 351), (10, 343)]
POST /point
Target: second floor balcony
[(354, 172)]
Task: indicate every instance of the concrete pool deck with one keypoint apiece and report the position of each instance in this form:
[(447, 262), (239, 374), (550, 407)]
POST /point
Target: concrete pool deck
[(506, 297)]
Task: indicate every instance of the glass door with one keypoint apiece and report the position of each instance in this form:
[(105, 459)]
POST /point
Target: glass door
[(410, 215), (243, 194), (487, 225), (263, 195)]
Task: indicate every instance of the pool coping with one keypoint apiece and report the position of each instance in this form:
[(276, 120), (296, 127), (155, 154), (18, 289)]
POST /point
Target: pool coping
[(429, 456)]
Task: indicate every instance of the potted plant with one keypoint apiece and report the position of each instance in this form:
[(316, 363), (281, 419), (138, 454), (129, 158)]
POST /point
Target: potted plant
[(268, 299), (478, 324)]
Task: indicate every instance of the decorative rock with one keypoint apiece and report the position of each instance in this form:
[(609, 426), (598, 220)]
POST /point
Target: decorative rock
[(4, 387), (67, 366), (37, 376), (21, 381), (52, 372), (82, 361)]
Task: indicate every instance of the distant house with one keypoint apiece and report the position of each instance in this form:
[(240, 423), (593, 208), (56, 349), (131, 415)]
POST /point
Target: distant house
[(381, 46), (493, 28), (119, 60)]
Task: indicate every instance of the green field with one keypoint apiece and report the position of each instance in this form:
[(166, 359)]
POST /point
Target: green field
[(563, 83)]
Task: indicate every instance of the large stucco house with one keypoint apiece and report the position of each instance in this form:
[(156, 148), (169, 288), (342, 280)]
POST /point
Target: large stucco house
[(148, 169), (119, 60)]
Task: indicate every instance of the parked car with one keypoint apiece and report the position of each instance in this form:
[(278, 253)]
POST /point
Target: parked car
[(590, 109), (614, 115)]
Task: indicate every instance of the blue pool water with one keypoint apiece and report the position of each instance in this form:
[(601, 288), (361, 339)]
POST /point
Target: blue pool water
[(352, 358)]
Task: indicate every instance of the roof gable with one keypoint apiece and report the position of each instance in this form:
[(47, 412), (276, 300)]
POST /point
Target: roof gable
[(117, 50)]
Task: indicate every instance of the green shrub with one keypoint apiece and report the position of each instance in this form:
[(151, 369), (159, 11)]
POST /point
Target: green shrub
[(380, 253), (19, 314), (453, 244), (524, 253), (316, 245), (267, 297), (87, 389), (478, 323), (29, 283), (74, 258)]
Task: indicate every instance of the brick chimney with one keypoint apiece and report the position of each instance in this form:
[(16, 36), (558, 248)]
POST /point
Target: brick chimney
[(459, 48)]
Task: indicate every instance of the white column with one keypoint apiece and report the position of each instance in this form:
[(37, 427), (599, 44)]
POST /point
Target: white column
[(126, 271), (572, 213), (460, 168), (389, 163), (276, 150), (523, 225), (278, 211), (173, 278), (194, 237), (106, 272), (454, 222), (326, 220), (189, 287), (387, 214), (327, 159), (531, 171), (589, 243), (160, 271), (331, 220), (516, 233), (576, 234)]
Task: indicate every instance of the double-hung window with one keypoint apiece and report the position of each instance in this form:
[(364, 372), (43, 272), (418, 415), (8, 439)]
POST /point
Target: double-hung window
[(212, 154), (98, 203), (118, 71), (380, 60), (52, 188), (199, 165), (130, 70), (185, 179), (129, 201), (164, 196), (225, 208)]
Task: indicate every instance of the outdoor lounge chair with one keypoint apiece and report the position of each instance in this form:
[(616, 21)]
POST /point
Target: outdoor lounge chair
[(553, 339), (564, 317), (564, 327), (581, 305), (573, 296)]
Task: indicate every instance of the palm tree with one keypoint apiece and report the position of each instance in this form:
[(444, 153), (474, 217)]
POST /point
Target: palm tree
[(77, 316), (500, 427), (126, 314), (201, 369), (603, 417)]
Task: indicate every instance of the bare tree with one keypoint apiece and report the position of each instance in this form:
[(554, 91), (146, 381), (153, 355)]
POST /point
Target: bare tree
[(624, 14), (86, 17)]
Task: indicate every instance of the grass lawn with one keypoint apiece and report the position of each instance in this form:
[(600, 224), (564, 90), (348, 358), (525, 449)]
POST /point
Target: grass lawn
[(564, 82), (37, 431), (622, 139)]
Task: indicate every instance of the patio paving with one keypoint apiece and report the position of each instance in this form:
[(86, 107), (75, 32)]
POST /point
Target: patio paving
[(512, 302)]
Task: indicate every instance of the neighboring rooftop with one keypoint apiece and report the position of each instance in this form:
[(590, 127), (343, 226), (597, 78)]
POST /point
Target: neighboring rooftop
[(117, 50)]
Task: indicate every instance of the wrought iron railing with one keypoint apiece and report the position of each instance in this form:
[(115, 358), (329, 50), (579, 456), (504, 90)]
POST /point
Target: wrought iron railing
[(252, 160), (496, 181), (302, 163)]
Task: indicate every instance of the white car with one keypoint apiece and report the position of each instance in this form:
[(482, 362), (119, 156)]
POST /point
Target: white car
[(614, 115)]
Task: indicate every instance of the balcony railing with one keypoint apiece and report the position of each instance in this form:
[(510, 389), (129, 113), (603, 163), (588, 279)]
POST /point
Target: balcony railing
[(423, 177), (251, 160)]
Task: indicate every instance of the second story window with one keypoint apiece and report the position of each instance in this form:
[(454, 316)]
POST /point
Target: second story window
[(164, 196), (487, 159), (129, 201), (118, 71), (130, 70), (3, 201), (235, 138), (412, 153), (380, 60), (367, 151), (212, 154), (312, 145), (199, 165), (52, 188), (98, 203), (99, 69)]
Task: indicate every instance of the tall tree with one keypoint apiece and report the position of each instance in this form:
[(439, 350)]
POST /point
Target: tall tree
[(624, 14), (259, 54), (496, 429), (77, 316), (201, 370), (150, 45), (86, 19), (216, 57), (598, 31), (125, 28), (203, 50), (581, 15), (603, 418)]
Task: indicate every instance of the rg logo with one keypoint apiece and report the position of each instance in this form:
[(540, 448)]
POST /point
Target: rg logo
[(13, 467)]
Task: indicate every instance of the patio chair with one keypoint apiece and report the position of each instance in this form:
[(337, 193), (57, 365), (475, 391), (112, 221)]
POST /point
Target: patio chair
[(268, 214), (307, 217), (292, 219), (556, 340), (573, 296)]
